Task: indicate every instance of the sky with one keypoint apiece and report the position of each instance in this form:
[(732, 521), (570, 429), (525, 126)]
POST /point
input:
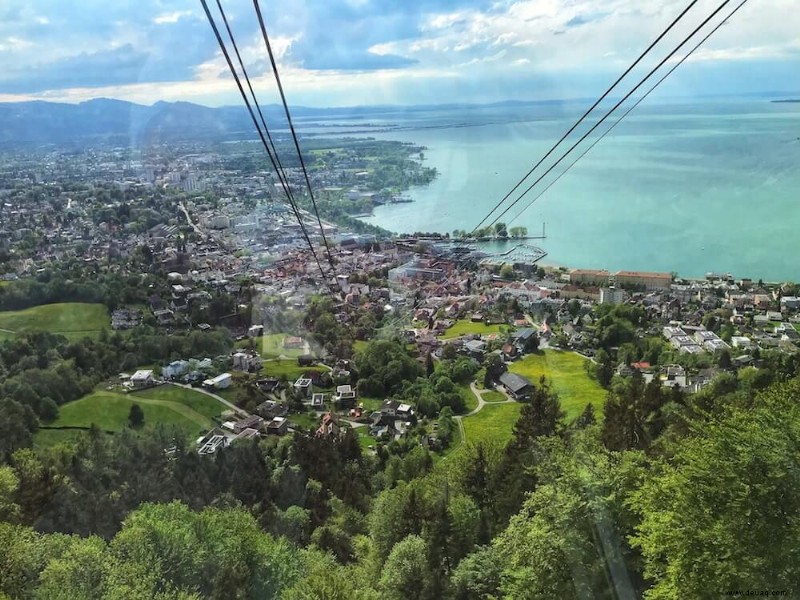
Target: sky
[(364, 52)]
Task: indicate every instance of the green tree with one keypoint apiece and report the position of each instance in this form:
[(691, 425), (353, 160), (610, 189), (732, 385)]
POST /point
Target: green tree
[(406, 573), (17, 426), (135, 416), (507, 271), (721, 512)]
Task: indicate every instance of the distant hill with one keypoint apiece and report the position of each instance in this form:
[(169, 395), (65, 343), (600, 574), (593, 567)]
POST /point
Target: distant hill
[(114, 121), (128, 124)]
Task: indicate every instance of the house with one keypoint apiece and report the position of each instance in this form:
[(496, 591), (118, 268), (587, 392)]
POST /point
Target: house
[(142, 379), (316, 377), (246, 434), (329, 426), (741, 342), (475, 348), (303, 385), (212, 441), (251, 422), (270, 409), (243, 361), (317, 401), (278, 426), (516, 385), (393, 408), (175, 369), (268, 385), (305, 360), (220, 382), (521, 338), (292, 342), (345, 396), (509, 351)]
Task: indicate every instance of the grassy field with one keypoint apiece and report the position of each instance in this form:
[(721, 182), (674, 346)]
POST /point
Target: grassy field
[(470, 401), (304, 420), (109, 411), (289, 368), (271, 346), (492, 396), (494, 423), (197, 401), (464, 327), (566, 373), (73, 320)]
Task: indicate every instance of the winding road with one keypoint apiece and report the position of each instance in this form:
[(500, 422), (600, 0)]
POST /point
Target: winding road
[(481, 403)]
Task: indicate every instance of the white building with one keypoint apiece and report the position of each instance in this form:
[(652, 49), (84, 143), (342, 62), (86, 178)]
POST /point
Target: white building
[(220, 382), (611, 296), (142, 379)]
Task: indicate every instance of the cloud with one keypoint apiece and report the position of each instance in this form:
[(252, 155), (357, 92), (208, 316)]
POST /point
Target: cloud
[(171, 17), (367, 50)]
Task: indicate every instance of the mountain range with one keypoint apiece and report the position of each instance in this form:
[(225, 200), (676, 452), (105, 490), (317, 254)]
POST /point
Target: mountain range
[(118, 122)]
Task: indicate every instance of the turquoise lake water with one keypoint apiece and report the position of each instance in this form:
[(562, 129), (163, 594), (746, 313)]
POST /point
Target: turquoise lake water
[(690, 188)]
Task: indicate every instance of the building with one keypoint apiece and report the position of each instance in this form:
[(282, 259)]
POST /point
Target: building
[(589, 277), (269, 409), (242, 361), (175, 369), (611, 295), (212, 441), (329, 426), (142, 379), (303, 385), (517, 386), (345, 396), (251, 422), (416, 269), (643, 279), (278, 426), (220, 382), (292, 342), (317, 400)]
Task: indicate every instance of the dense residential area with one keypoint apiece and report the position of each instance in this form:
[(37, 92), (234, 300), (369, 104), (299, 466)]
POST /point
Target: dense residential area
[(201, 396)]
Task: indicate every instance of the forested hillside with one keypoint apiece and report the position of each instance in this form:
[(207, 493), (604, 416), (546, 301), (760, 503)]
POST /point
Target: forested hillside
[(661, 494)]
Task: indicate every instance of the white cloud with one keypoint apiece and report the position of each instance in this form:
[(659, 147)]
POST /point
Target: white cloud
[(171, 17)]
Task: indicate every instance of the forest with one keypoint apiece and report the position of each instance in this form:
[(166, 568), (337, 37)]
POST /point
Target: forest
[(661, 495)]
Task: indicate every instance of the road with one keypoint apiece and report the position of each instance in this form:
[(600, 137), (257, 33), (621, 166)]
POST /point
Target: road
[(189, 219), (233, 407), (481, 403)]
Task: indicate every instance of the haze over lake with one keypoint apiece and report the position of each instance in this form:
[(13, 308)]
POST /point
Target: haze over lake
[(689, 188)]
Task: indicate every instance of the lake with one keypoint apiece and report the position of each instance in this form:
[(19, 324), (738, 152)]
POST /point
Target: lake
[(690, 188)]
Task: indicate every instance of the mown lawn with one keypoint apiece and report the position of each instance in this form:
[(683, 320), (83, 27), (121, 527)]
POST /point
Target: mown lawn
[(109, 411), (304, 420), (494, 423), (566, 372), (470, 401), (271, 346), (288, 368), (465, 327), (493, 396), (73, 320), (197, 401)]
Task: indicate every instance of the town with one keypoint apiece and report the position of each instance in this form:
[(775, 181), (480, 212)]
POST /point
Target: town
[(196, 244)]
